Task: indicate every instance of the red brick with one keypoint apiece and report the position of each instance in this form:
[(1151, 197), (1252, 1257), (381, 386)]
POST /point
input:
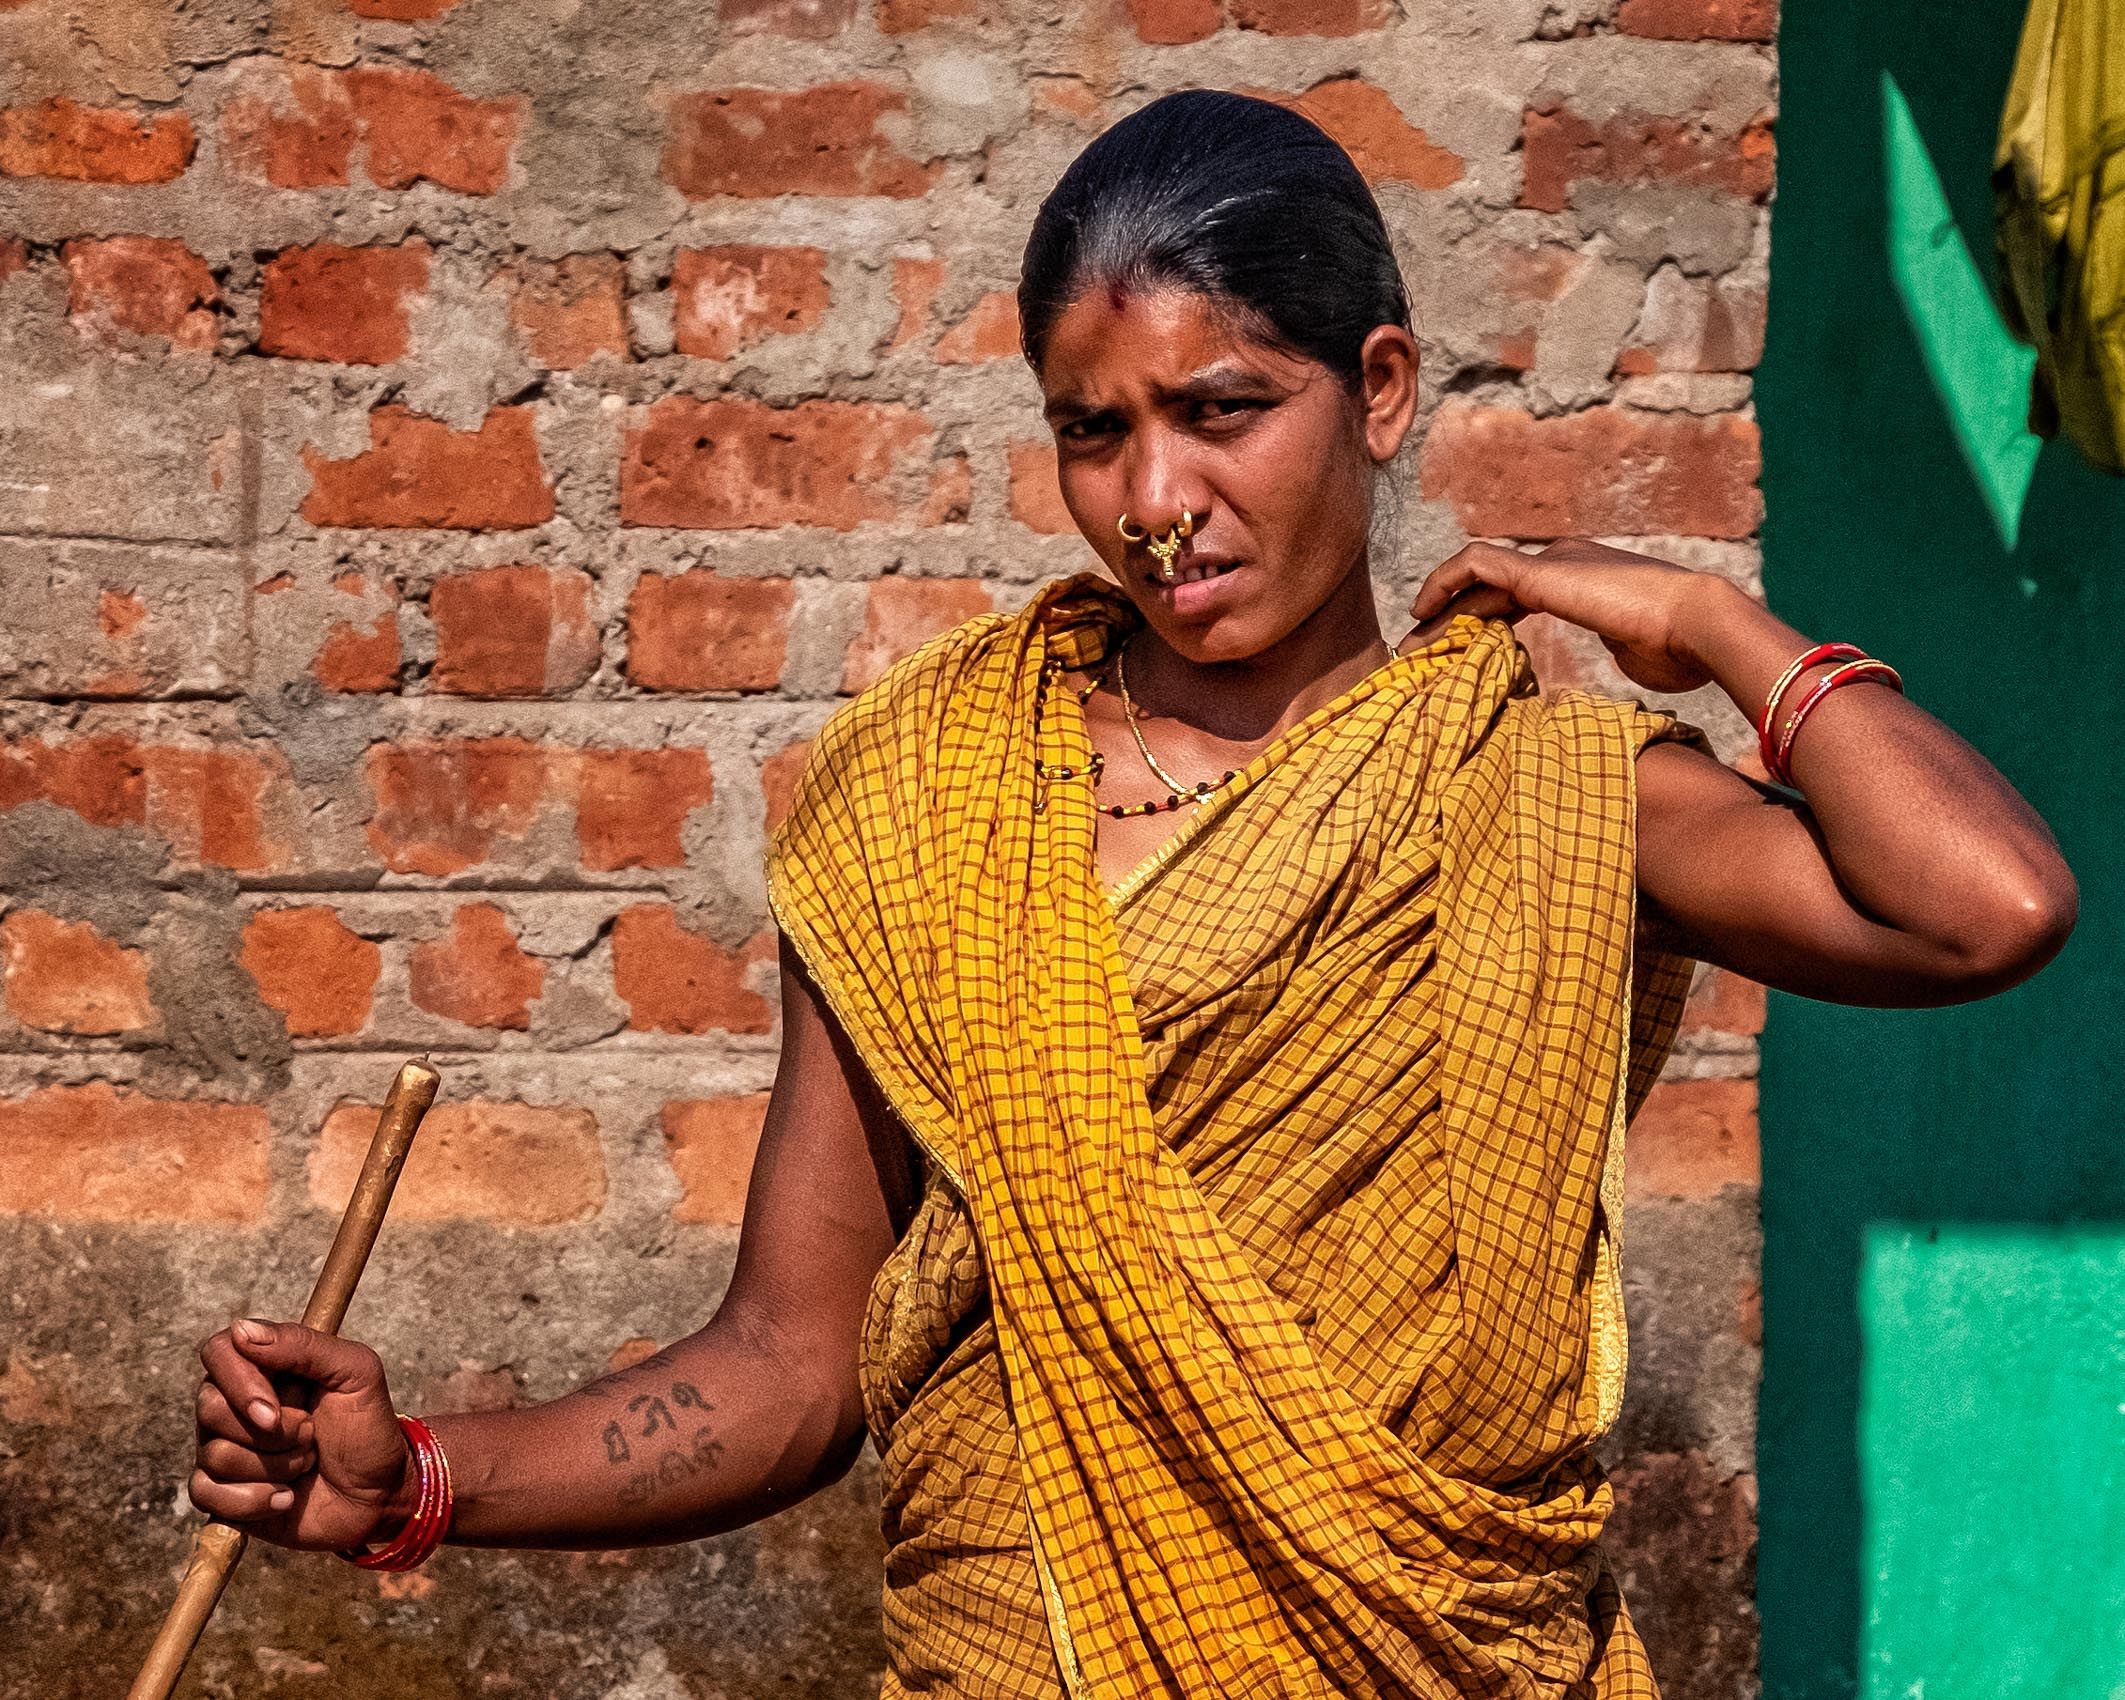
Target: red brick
[(693, 631), (97, 1154), (1605, 471), (812, 20), (1036, 489), (401, 11), (711, 1143), (988, 332), (1383, 143), (355, 658), (571, 310), (905, 17), (103, 780), (328, 302), (1700, 20), (303, 140), (742, 293), (1310, 17), (320, 975), (209, 804), (674, 981), (418, 128), (476, 974), (419, 473), (94, 144), (1559, 149), (206, 802), (66, 977), (916, 281), (527, 1165), (146, 285), (360, 657), (513, 632), (826, 140), (408, 127), (441, 805), (631, 805), (1691, 1138), (900, 614), (14, 256), (1725, 1002), (733, 462), (778, 780), (1169, 23)]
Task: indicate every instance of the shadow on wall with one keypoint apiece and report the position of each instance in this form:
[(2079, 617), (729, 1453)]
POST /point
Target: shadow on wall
[(1942, 1437)]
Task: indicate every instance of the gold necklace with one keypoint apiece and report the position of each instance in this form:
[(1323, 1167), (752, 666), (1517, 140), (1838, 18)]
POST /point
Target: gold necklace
[(1202, 788), (1121, 682)]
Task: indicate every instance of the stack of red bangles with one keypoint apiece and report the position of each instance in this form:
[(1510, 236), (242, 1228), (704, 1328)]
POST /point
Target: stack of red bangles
[(1858, 664), (430, 1521)]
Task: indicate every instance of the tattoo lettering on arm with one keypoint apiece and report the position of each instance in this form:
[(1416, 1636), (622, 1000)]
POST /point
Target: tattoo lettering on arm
[(677, 1419)]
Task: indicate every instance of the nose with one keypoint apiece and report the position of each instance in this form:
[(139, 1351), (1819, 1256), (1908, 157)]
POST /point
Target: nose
[(1160, 493)]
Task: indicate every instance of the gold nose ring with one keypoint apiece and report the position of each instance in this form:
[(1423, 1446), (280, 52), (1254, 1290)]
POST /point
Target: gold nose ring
[(1166, 546)]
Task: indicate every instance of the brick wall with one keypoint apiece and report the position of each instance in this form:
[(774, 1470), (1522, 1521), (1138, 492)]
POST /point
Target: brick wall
[(452, 455)]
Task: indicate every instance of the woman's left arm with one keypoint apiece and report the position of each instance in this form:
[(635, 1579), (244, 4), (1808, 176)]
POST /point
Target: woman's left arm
[(1907, 872)]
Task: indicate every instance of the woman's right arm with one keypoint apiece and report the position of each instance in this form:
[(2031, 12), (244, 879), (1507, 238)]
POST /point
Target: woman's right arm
[(299, 1445)]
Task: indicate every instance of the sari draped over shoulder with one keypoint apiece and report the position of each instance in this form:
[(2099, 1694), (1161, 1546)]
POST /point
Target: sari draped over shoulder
[(1263, 1303)]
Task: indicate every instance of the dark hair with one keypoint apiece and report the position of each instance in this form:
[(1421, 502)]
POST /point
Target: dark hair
[(1237, 198)]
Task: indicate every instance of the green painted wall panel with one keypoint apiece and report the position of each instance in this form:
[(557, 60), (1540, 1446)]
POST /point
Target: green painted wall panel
[(1992, 1463), (2005, 1117)]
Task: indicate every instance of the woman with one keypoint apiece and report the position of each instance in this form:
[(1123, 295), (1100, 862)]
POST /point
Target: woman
[(1208, 1033)]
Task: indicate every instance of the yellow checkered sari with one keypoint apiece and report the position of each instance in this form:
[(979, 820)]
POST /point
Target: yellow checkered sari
[(1263, 1302)]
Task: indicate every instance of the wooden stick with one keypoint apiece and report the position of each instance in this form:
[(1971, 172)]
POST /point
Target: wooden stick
[(218, 1546)]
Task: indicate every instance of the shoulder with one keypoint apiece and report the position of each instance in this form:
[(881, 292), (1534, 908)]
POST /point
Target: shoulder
[(1591, 726)]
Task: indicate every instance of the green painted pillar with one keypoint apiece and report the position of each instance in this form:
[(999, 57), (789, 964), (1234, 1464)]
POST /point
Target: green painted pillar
[(1942, 1440)]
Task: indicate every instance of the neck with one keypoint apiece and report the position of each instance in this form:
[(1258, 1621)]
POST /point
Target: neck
[(1258, 697)]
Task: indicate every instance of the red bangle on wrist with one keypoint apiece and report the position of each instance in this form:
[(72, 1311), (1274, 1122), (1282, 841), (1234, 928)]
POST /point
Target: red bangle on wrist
[(1766, 745), (1866, 667), (433, 1504)]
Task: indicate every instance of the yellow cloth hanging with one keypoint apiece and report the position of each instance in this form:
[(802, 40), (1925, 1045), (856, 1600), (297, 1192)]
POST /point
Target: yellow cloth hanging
[(1299, 1256), (2059, 219)]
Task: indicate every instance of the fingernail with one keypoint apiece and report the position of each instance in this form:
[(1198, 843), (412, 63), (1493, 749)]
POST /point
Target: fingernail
[(282, 1499), (263, 1411), (255, 1333)]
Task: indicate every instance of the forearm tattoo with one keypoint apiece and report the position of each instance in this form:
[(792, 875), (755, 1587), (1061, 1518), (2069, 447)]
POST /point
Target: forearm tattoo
[(661, 1435)]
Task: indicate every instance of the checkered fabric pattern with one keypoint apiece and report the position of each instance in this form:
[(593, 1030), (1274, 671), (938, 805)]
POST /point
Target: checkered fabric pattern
[(1262, 1306)]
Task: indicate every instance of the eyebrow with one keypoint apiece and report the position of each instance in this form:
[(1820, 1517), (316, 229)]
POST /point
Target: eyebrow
[(1224, 379)]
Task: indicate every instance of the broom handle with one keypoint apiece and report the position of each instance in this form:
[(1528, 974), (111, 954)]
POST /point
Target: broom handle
[(218, 1546)]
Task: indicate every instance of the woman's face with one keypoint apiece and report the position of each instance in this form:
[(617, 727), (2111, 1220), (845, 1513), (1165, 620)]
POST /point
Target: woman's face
[(1159, 402)]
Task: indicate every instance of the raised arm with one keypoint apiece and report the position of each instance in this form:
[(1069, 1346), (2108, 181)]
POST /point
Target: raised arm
[(754, 1411), (1906, 872)]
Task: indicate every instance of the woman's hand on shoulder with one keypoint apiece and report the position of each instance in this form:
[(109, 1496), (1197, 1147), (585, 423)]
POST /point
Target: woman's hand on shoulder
[(1641, 609)]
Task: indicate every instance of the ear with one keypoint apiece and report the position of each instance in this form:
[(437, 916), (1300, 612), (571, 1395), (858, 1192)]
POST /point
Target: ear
[(1388, 361)]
